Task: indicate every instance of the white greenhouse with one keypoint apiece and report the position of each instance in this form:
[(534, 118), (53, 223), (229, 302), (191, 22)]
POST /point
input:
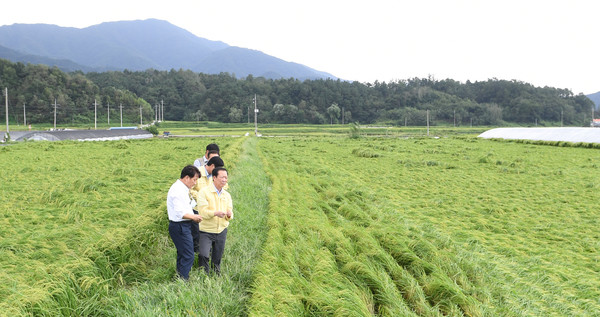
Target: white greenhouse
[(587, 135)]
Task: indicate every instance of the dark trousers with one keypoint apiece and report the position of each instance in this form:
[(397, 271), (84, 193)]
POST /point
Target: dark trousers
[(181, 234), (196, 233), (216, 242)]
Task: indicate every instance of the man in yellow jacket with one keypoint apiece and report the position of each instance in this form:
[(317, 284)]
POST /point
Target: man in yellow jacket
[(216, 209), (204, 180)]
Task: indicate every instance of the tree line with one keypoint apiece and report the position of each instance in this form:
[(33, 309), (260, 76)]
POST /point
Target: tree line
[(191, 96), (37, 88)]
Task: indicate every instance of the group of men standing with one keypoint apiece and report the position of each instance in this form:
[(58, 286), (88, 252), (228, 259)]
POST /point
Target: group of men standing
[(199, 209)]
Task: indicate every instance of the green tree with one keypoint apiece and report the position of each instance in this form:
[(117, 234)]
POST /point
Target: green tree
[(492, 114), (334, 112), (235, 115), (285, 113), (347, 116), (198, 116)]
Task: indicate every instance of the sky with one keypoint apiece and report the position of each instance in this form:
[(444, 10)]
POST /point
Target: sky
[(544, 43)]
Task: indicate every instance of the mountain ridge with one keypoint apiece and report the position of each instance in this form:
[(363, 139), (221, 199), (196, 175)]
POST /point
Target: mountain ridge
[(140, 45), (63, 64), (595, 97)]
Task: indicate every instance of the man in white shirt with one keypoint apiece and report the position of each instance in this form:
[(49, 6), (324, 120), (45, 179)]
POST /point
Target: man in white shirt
[(211, 148), (181, 216)]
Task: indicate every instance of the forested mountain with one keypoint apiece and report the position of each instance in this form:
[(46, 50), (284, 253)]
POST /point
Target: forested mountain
[(63, 64), (188, 95), (140, 45), (595, 98)]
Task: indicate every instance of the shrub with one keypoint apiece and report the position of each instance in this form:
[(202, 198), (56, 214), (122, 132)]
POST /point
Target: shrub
[(355, 132), (152, 129)]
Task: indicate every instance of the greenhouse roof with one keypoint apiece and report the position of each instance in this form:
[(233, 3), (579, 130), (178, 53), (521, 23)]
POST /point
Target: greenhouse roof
[(587, 135)]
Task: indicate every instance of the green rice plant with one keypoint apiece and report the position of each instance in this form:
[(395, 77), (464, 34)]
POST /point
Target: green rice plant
[(398, 234), (74, 226), (449, 240), (386, 295), (365, 153), (211, 296)]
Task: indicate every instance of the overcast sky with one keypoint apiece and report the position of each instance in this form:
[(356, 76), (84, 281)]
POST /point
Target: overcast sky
[(545, 43)]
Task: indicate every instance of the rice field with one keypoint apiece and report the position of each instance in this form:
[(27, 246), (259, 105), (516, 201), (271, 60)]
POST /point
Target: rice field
[(80, 219), (428, 227), (325, 225)]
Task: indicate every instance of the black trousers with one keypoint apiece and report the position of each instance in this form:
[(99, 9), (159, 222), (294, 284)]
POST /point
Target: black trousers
[(212, 245), (181, 234), (196, 233)]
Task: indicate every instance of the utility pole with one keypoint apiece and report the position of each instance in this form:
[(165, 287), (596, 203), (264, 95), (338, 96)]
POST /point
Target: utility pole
[(156, 112), (255, 114), (455, 118), (121, 106), (95, 114), (54, 113), (427, 122), (6, 101), (162, 106), (108, 105), (561, 118), (141, 122), (24, 116)]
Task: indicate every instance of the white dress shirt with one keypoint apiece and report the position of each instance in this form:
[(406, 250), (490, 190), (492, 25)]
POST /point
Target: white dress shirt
[(179, 202)]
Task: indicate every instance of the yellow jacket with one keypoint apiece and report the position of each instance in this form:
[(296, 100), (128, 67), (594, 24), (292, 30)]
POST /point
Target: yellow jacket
[(208, 202), (203, 181)]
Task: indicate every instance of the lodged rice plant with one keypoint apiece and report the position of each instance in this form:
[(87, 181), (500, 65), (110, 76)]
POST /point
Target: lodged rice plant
[(81, 219), (224, 295), (428, 227), (411, 226)]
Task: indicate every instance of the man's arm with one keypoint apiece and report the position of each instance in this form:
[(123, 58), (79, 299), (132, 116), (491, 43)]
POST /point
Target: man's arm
[(192, 217), (184, 209)]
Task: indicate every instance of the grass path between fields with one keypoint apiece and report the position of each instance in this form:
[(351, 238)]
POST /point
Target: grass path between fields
[(225, 295)]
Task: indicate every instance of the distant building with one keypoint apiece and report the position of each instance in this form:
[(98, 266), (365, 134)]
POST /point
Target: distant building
[(595, 123)]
